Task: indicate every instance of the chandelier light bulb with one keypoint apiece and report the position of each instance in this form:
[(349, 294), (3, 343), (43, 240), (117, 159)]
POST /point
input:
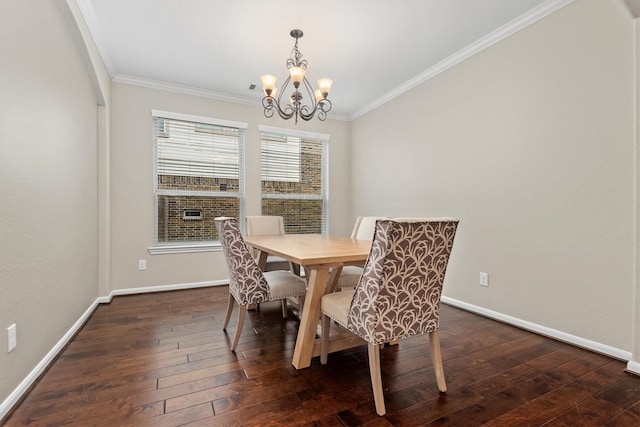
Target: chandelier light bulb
[(268, 84), (324, 86), (297, 74)]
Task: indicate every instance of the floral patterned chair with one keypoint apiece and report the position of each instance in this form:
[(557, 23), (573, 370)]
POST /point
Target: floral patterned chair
[(247, 284), (398, 294)]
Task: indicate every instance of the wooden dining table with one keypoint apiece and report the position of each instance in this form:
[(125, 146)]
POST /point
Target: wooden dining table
[(322, 258)]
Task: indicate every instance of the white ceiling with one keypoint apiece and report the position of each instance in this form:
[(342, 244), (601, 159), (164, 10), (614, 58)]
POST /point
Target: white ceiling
[(372, 49)]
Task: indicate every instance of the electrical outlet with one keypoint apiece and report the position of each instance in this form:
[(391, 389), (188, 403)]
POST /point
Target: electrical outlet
[(142, 264), (12, 338), (484, 279)]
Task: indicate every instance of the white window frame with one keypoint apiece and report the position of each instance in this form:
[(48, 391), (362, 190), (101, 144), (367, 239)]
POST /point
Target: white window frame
[(195, 246), (322, 137)]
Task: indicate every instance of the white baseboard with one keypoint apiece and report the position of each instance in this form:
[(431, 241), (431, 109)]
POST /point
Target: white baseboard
[(33, 376), (543, 330), (633, 367), (161, 288)]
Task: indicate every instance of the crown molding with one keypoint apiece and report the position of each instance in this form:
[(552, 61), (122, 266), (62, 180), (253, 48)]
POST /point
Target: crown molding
[(187, 90), (89, 16), (195, 91), (501, 33)]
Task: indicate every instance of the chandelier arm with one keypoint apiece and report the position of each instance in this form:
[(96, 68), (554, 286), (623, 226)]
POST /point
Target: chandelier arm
[(325, 105), (284, 113), (322, 115), (270, 106), (321, 109), (288, 110), (310, 92), (283, 90), (267, 103), (307, 114)]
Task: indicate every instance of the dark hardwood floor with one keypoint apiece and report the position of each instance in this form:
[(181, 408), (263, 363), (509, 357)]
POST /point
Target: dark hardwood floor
[(162, 359)]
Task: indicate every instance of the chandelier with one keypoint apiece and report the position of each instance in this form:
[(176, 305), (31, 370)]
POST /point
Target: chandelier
[(318, 102)]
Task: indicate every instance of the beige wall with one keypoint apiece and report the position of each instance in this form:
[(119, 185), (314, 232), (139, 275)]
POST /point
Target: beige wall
[(48, 179), (530, 143), (132, 182)]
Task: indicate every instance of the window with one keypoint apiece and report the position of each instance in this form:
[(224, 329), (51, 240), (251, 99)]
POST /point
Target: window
[(198, 173), (293, 170)]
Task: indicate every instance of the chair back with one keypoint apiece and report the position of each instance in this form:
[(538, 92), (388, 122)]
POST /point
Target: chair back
[(246, 282), (264, 225), (365, 226), (399, 292)]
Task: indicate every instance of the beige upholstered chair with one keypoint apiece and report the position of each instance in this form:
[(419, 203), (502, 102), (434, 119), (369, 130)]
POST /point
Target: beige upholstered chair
[(268, 225), (247, 284), (398, 294), (349, 275)]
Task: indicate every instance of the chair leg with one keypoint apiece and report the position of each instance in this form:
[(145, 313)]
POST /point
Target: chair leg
[(300, 305), (241, 313), (324, 347), (332, 281), (229, 310), (376, 378), (436, 358), (284, 308), (295, 268)]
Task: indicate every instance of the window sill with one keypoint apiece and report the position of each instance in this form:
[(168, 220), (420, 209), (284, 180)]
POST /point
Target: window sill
[(184, 248)]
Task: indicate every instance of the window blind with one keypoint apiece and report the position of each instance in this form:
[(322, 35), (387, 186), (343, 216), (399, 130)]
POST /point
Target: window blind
[(197, 150), (280, 158)]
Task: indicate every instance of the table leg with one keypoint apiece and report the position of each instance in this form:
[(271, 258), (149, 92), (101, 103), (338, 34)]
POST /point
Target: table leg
[(303, 351), (262, 259)]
